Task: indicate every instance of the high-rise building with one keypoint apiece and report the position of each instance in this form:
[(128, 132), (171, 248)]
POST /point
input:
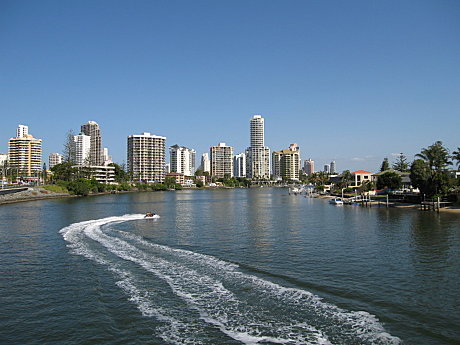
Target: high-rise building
[(92, 129), (182, 160), (327, 168), (22, 131), (239, 165), (309, 166), (54, 159), (221, 160), (25, 152), (107, 158), (3, 158), (82, 149), (257, 154), (146, 157), (205, 163), (333, 169), (286, 163)]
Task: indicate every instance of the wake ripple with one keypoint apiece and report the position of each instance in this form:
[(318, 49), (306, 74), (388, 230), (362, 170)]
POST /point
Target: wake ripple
[(204, 299)]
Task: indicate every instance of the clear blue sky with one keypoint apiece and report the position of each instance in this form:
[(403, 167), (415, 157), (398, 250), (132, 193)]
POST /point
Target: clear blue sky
[(354, 81)]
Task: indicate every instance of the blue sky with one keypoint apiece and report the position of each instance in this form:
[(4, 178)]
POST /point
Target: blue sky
[(353, 81)]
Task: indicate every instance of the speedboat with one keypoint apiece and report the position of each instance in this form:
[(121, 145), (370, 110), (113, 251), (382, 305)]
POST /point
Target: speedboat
[(151, 215), (336, 201)]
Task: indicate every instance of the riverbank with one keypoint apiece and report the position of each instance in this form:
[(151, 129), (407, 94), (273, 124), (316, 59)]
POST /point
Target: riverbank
[(401, 205), (38, 193), (31, 194)]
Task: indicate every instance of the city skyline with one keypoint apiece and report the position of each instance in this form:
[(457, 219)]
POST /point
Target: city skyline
[(351, 82)]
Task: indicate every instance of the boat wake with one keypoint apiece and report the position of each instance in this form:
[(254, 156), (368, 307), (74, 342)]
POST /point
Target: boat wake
[(200, 299)]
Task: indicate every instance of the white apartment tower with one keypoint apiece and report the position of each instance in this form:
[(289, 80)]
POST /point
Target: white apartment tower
[(257, 154), (182, 160), (146, 157), (22, 131), (239, 165), (309, 166), (25, 152), (205, 163), (221, 160), (107, 158), (96, 156), (54, 159), (82, 149)]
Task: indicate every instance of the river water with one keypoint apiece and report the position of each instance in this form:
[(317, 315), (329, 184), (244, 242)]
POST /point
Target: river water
[(236, 266)]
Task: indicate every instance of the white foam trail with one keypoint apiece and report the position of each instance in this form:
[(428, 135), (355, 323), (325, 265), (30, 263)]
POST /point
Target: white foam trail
[(238, 304)]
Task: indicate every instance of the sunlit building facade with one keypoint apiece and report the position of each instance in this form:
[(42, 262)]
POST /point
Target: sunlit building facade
[(25, 152), (146, 157)]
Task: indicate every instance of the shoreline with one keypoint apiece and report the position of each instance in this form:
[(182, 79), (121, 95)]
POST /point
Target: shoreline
[(37, 193), (399, 205)]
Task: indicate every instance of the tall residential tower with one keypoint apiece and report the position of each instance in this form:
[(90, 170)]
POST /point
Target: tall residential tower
[(221, 160), (309, 166), (146, 157), (286, 163), (257, 154), (25, 152), (82, 149), (96, 155), (182, 160)]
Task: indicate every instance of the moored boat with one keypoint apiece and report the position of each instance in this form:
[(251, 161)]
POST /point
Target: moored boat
[(336, 201)]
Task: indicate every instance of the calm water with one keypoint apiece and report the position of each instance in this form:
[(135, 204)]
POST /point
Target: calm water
[(226, 267)]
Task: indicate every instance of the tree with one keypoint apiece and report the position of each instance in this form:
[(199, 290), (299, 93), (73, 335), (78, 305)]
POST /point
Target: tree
[(120, 173), (346, 177), (420, 176), (170, 181), (456, 156), (366, 186), (198, 183), (390, 179), (64, 172), (401, 163), (45, 173), (199, 172), (69, 148), (436, 155), (436, 158), (385, 165)]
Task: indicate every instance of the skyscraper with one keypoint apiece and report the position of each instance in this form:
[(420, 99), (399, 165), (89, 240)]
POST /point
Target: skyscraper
[(333, 168), (22, 131), (239, 165), (25, 152), (206, 163), (146, 157), (96, 156), (286, 163), (182, 160), (82, 149), (221, 160), (257, 155), (309, 166)]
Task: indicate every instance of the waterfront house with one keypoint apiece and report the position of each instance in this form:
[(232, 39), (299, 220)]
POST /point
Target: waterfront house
[(360, 177)]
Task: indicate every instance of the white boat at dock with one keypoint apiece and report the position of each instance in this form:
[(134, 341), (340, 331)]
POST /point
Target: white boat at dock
[(336, 201)]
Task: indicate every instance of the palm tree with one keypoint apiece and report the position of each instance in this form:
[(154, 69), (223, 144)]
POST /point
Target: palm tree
[(436, 155), (346, 177), (456, 156)]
